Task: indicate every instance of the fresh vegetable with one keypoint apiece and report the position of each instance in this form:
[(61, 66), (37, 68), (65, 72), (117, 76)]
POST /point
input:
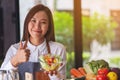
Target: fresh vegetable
[(90, 76), (101, 77), (82, 70), (50, 62), (103, 71), (93, 66), (117, 71), (112, 76), (76, 73)]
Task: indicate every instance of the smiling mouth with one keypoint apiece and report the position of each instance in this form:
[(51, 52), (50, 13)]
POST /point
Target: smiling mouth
[(37, 31)]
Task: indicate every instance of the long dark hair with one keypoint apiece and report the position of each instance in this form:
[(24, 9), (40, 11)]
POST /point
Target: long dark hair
[(50, 33)]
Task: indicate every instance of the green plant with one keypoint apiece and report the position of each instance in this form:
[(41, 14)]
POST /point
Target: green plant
[(70, 63), (64, 34), (115, 61), (86, 56), (97, 27), (64, 29)]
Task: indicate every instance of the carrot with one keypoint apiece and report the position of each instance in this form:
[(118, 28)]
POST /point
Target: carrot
[(75, 73), (82, 70)]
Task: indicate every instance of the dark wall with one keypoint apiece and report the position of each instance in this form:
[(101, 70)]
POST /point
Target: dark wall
[(9, 26), (1, 33)]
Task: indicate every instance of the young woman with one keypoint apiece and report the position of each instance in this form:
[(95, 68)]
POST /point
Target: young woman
[(38, 39)]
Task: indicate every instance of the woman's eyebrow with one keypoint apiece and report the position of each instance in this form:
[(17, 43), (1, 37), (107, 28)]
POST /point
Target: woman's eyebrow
[(33, 18), (41, 19), (44, 19)]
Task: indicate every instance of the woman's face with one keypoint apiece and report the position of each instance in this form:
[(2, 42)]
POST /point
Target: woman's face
[(38, 25)]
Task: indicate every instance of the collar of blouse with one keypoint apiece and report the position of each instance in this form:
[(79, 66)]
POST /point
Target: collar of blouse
[(33, 47)]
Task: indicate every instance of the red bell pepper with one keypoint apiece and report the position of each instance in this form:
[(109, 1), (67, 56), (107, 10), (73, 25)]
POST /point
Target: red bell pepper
[(101, 77), (103, 71)]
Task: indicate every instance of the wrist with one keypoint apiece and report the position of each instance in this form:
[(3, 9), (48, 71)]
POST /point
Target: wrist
[(14, 61)]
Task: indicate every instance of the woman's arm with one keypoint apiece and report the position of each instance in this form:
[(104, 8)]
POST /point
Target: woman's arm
[(15, 55), (7, 63)]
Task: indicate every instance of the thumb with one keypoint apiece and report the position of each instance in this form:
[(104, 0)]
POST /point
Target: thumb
[(21, 45), (25, 45)]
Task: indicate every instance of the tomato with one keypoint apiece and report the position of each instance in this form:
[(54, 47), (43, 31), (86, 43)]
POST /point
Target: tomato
[(101, 77), (103, 71), (53, 59)]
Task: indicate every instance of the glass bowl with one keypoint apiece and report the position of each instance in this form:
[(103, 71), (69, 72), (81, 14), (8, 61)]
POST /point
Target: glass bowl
[(50, 62)]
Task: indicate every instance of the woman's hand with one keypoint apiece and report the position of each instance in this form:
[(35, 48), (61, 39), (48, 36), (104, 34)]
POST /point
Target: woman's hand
[(54, 72), (51, 72), (21, 56)]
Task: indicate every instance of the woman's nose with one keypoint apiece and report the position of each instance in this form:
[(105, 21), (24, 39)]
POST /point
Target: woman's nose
[(37, 25)]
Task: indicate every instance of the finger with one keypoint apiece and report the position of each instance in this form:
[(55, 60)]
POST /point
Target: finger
[(27, 51), (27, 58), (55, 72), (27, 55), (46, 72), (20, 45), (61, 64), (42, 69), (51, 73)]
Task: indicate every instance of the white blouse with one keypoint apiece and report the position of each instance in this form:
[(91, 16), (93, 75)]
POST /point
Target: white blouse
[(35, 52)]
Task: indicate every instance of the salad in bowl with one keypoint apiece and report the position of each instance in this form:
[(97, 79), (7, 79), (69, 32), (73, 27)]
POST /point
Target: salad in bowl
[(50, 62)]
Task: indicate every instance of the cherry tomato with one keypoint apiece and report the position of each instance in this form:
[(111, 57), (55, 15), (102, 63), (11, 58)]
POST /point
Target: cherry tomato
[(101, 77), (103, 71)]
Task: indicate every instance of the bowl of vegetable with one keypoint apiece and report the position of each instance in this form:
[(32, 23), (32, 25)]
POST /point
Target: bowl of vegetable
[(50, 62)]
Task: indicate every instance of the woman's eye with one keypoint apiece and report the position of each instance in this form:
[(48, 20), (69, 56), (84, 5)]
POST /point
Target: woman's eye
[(44, 22), (33, 20)]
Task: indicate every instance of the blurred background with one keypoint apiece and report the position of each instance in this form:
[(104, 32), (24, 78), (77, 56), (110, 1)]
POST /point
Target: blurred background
[(90, 29)]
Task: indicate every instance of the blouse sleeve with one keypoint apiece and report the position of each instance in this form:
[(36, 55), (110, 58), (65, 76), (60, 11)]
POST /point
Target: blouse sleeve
[(6, 65)]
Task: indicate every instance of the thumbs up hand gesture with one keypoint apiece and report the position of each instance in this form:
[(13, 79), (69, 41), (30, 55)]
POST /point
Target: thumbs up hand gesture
[(21, 56)]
